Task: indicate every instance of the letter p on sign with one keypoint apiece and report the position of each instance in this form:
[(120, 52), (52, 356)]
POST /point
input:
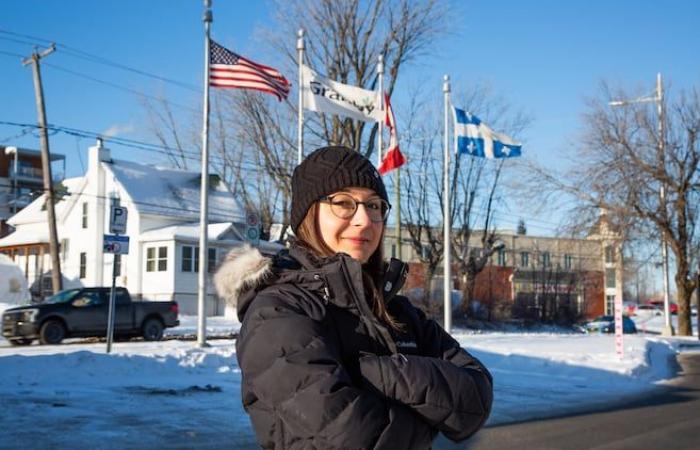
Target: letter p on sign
[(117, 222)]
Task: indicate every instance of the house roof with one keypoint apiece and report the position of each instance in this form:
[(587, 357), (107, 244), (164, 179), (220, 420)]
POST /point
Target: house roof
[(23, 236), (187, 231), (151, 191), (35, 212), (174, 193)]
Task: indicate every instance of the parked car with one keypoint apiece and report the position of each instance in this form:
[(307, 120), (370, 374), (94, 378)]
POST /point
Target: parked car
[(606, 324), (647, 311), (83, 312), (673, 307)]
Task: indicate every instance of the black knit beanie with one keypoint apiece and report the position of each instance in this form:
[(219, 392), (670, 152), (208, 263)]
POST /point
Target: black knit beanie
[(327, 170)]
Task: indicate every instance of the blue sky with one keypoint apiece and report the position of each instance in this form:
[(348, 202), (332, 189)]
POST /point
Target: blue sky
[(544, 57)]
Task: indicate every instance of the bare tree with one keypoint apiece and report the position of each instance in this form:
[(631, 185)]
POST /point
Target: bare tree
[(475, 192), (621, 167), (344, 40), (421, 205)]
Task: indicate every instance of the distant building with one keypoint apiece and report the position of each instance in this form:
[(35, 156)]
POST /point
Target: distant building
[(163, 229), (18, 188), (535, 276)]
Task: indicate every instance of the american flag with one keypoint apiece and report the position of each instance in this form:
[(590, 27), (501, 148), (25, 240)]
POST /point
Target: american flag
[(229, 70)]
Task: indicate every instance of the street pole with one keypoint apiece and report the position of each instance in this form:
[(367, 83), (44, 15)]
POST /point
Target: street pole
[(668, 327), (658, 98), (300, 112), (447, 272), (380, 137), (46, 165), (204, 194), (397, 201)]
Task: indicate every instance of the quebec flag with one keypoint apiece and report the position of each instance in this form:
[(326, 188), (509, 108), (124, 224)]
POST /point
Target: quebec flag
[(473, 137)]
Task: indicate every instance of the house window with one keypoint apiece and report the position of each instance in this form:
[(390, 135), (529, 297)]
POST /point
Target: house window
[(524, 259), (187, 258), (190, 259), (609, 254), (85, 215), (211, 255), (568, 261), (64, 249), (83, 265), (545, 259), (502, 257), (610, 278), (156, 259), (610, 304)]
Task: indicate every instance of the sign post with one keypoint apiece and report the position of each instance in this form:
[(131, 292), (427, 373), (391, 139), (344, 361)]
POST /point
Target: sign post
[(619, 328), (117, 245)]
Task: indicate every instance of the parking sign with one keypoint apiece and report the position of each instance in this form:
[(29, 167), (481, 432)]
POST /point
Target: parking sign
[(117, 220)]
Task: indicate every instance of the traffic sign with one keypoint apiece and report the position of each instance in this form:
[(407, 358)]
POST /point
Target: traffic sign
[(119, 245), (117, 220), (252, 230)]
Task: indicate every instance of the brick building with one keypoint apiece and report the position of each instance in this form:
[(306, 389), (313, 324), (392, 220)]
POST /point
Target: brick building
[(534, 276)]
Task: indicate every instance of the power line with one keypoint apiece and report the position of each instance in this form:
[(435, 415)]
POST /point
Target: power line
[(75, 52), (120, 87), (248, 166), (3, 52)]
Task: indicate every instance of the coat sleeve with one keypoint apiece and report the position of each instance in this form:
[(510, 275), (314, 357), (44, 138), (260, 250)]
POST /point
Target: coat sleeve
[(449, 388), (291, 367)]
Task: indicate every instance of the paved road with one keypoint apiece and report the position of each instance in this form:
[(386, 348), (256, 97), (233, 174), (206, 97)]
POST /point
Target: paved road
[(669, 418)]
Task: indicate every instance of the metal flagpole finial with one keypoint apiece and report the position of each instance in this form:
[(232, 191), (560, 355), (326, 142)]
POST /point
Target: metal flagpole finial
[(380, 64), (446, 84), (207, 11), (300, 40)]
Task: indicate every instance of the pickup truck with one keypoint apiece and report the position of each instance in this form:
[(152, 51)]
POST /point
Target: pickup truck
[(83, 312)]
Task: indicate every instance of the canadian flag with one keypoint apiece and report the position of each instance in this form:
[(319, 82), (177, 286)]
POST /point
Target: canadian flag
[(393, 158)]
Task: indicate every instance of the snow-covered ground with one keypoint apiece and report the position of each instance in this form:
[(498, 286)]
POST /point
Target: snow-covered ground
[(174, 394)]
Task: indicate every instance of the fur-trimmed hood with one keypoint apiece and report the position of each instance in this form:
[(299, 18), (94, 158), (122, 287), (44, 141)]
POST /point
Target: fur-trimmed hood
[(243, 269), (336, 279)]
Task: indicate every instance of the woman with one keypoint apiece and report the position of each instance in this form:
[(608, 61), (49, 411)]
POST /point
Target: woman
[(330, 356)]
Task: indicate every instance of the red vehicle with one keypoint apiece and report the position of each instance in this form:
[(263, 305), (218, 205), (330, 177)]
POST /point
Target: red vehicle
[(660, 304)]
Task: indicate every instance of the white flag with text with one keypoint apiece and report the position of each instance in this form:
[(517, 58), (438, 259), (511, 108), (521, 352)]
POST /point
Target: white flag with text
[(328, 96)]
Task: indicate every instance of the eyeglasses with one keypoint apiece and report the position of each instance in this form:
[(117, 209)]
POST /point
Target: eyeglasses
[(344, 206)]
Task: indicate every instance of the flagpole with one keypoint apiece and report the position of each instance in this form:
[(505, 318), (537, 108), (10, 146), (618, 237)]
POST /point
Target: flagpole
[(447, 275), (397, 201), (300, 130), (380, 75), (204, 194)]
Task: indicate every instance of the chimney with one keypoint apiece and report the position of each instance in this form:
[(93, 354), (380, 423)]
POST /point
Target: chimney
[(98, 154)]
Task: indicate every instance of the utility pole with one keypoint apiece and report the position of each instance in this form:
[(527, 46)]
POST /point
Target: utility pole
[(46, 164)]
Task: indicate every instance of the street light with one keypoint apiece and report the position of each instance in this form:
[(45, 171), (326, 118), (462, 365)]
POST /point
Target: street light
[(658, 98), (13, 151)]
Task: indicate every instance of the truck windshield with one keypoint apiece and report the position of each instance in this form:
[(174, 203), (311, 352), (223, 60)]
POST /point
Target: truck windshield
[(63, 296)]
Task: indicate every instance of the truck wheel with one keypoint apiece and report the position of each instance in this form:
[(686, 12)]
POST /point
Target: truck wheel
[(52, 332), (152, 330), (21, 341)]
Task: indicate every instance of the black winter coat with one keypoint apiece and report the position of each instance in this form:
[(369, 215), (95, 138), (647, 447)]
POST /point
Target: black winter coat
[(319, 371)]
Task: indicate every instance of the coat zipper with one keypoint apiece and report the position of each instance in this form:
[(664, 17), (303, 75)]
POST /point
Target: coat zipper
[(373, 325)]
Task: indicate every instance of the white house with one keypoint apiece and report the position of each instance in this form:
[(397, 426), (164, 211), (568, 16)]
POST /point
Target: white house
[(162, 225)]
